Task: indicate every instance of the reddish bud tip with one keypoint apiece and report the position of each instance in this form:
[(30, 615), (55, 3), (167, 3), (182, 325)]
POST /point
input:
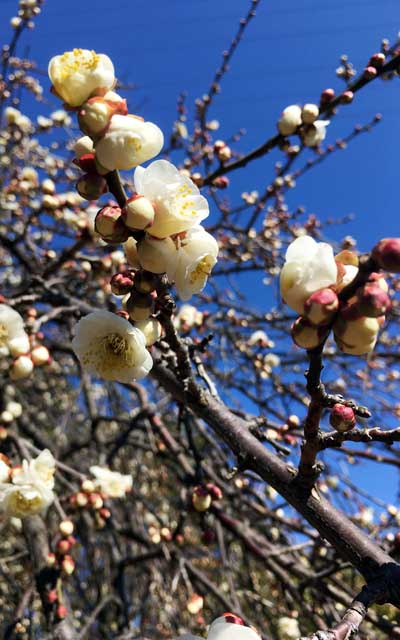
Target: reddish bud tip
[(342, 418), (387, 254)]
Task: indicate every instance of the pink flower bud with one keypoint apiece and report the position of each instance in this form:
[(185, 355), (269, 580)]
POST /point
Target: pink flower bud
[(121, 283), (377, 60), (307, 336), (63, 547), (87, 163), (327, 95), (342, 418), (321, 306), (370, 72), (373, 301), (68, 565), (347, 97), (138, 213), (232, 618), (222, 182), (52, 596), (387, 254), (214, 491), (110, 226), (91, 186), (61, 612)]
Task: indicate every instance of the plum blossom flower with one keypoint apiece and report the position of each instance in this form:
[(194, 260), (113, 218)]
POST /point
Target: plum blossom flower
[(315, 134), (309, 267), (108, 346), (288, 628), (78, 74), (197, 254), (31, 488), (176, 199), (226, 627), (12, 333), (112, 483), (128, 142)]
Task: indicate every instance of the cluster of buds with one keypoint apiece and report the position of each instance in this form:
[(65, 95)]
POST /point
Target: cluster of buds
[(303, 121), (64, 543), (204, 495), (312, 280), (27, 10), (91, 499)]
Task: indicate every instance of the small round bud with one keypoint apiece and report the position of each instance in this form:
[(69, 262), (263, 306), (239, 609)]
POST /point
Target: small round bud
[(342, 418), (347, 97), (307, 336), (48, 186), (66, 527), (290, 120), (40, 355), (327, 95), (51, 559), (151, 329), (214, 491), (94, 116), (122, 283), (81, 499), (138, 213), (377, 60), (370, 72), (321, 306), (387, 254), (61, 612), (309, 113), (221, 182), (373, 301), (201, 499), (22, 367), (83, 146), (88, 486), (140, 306), (96, 500), (109, 225), (52, 596), (68, 565), (63, 547), (91, 186)]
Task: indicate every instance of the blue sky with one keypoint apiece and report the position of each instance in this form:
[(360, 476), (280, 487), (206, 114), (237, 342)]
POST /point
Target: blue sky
[(289, 54)]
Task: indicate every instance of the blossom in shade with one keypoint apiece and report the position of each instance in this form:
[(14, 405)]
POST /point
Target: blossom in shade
[(112, 483), (197, 255), (107, 345), (309, 267), (12, 332), (31, 488), (78, 74), (128, 142), (226, 627), (177, 202)]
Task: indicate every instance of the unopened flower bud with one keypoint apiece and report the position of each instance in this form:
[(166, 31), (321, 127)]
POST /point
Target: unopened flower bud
[(306, 335), (48, 186), (221, 182), (309, 113), (151, 329), (195, 604), (356, 336), (83, 146), (63, 547), (373, 301), (81, 499), (342, 418), (377, 60), (224, 154), (201, 499), (140, 306), (91, 186), (22, 367), (290, 120), (321, 306), (145, 281), (327, 95), (68, 565), (88, 486), (109, 224), (347, 97), (121, 283), (40, 355), (94, 116), (52, 596), (387, 254), (61, 612), (214, 491), (66, 527), (370, 72), (51, 559), (138, 213), (96, 500)]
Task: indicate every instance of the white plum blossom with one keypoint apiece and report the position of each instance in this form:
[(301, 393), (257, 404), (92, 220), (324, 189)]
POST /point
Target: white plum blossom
[(223, 629), (288, 628), (4, 471), (31, 488), (107, 345), (290, 119), (309, 267), (12, 332), (197, 254), (128, 142), (187, 317), (112, 483), (78, 74), (176, 199), (313, 136)]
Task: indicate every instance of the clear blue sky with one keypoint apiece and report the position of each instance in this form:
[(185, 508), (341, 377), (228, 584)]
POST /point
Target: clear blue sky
[(289, 54)]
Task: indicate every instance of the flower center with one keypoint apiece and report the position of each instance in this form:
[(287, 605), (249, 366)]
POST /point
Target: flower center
[(114, 344), (202, 270), (3, 335), (78, 61)]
